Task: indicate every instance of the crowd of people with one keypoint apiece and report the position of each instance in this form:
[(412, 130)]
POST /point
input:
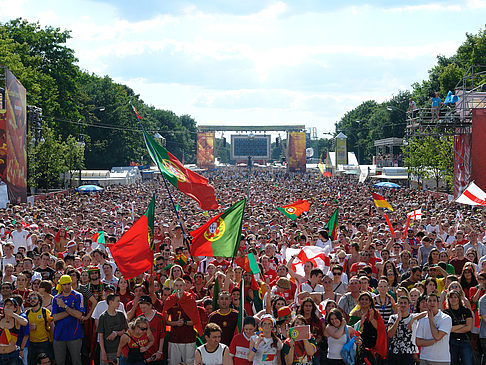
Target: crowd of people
[(379, 295)]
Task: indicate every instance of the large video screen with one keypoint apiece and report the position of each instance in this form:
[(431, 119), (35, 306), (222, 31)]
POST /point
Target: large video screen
[(257, 146)]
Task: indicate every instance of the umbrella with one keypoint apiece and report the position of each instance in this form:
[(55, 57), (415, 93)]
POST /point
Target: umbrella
[(387, 184), (89, 189), (327, 174)]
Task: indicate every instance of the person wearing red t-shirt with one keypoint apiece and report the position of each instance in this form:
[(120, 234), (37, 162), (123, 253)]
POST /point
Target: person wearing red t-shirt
[(364, 260), (157, 326), (240, 345), (268, 273), (225, 317), (132, 307), (460, 260), (221, 262), (182, 338), (460, 239)]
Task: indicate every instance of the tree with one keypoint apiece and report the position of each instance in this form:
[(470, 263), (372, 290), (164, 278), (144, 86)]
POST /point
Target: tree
[(49, 160)]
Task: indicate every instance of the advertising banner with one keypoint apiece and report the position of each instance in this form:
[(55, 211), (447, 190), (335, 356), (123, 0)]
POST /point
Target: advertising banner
[(341, 151), (296, 151), (205, 149), (462, 163), (16, 127), (478, 158)]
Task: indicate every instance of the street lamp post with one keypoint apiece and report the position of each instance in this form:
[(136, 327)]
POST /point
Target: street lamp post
[(80, 142)]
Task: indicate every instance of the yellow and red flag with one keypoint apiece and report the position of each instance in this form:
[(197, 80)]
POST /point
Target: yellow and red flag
[(380, 202)]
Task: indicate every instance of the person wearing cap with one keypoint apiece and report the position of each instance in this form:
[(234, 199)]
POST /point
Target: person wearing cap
[(70, 249), (265, 348), (157, 326), (102, 305), (67, 310), (225, 317), (111, 324), (284, 316), (213, 352)]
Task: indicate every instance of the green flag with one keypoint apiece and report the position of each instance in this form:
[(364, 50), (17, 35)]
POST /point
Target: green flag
[(332, 225), (241, 306), (220, 236), (215, 294)]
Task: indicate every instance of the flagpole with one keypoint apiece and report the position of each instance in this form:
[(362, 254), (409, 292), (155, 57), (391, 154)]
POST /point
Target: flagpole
[(184, 234)]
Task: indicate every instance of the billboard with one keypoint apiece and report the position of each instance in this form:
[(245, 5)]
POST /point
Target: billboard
[(341, 150), (462, 163), (478, 158), (257, 146), (13, 126), (205, 149), (296, 151)]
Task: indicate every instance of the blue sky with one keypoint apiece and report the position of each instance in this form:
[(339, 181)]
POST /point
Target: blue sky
[(259, 62)]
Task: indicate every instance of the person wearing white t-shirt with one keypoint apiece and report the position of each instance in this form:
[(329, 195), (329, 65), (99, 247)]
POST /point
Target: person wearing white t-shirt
[(102, 305), (433, 334), (20, 237), (433, 226), (310, 286)]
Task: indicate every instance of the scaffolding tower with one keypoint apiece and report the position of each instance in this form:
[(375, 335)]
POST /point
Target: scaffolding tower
[(455, 118)]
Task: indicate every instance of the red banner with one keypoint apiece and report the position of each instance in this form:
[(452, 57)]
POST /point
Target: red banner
[(462, 163), (479, 147), (16, 138)]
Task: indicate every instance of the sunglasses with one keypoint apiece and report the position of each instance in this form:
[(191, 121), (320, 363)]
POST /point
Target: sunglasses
[(143, 328), (337, 273)]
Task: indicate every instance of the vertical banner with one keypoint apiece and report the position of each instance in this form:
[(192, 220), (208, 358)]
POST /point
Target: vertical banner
[(341, 150), (205, 149), (16, 138), (478, 156), (296, 151), (462, 163), (3, 146)]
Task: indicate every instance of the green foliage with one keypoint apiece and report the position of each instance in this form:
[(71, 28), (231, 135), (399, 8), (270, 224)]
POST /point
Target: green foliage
[(70, 99), (430, 158), (371, 121), (49, 160)]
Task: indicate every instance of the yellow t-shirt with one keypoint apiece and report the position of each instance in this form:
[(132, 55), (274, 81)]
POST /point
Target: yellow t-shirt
[(41, 333)]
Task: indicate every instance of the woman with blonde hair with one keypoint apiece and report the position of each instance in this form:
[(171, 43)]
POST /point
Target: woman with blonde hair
[(135, 342), (455, 285), (174, 273)]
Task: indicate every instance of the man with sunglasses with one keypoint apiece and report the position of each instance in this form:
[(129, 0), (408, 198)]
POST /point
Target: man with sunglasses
[(40, 327)]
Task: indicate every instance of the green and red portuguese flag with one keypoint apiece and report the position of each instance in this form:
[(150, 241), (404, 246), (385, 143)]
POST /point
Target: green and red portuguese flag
[(193, 185), (133, 252), (332, 225), (294, 210), (221, 235)]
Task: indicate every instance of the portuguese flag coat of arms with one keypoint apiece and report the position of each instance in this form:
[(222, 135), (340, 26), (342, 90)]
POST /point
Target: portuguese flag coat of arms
[(220, 236), (193, 185), (133, 252), (294, 210)]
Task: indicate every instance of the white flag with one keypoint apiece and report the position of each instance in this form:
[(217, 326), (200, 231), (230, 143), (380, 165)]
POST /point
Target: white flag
[(416, 214), (473, 195)]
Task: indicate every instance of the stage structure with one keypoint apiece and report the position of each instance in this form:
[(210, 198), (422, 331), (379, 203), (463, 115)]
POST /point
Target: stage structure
[(252, 144), (464, 118), (13, 126)]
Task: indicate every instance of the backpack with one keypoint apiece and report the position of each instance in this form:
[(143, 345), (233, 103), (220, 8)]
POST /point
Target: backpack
[(44, 315), (348, 352)]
